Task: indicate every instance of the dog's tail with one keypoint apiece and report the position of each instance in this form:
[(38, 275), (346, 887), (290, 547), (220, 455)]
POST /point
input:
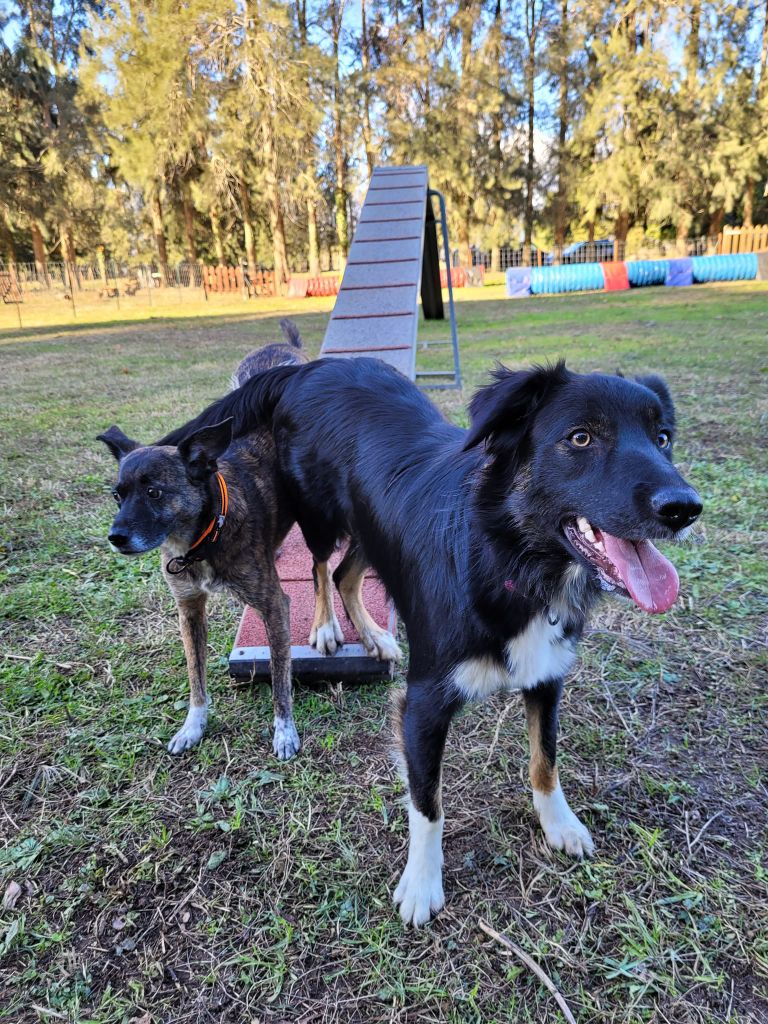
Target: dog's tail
[(249, 406), (291, 333)]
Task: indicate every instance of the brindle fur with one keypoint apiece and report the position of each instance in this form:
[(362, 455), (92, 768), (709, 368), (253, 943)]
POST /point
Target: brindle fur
[(285, 353), (243, 559)]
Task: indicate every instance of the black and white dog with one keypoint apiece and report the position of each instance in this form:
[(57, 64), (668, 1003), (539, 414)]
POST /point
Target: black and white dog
[(493, 542)]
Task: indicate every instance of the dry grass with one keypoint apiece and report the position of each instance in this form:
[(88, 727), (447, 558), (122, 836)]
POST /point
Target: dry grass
[(225, 886)]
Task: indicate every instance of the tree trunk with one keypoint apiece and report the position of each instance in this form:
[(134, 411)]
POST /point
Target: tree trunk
[(498, 162), (188, 211), (364, 61), (218, 245), (495, 259), (41, 257), (340, 160), (156, 212), (682, 228), (621, 227), (561, 199), (531, 25), (8, 246), (715, 225), (276, 222), (68, 256), (747, 204), (250, 244), (313, 248), (465, 252), (692, 46)]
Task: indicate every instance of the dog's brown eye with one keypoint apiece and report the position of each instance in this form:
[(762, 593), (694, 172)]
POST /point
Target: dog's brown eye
[(663, 440), (580, 438), (154, 492), (116, 496)]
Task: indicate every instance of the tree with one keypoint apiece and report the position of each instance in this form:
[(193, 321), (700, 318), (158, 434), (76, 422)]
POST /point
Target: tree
[(47, 186)]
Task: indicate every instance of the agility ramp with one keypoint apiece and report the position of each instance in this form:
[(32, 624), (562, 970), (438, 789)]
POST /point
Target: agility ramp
[(393, 258)]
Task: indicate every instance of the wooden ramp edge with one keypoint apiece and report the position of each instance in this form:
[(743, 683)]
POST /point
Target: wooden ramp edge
[(376, 311)]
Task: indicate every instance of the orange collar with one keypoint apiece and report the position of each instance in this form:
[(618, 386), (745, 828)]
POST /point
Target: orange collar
[(210, 534)]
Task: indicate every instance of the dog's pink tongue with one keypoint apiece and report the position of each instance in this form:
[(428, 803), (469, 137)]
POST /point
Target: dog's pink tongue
[(650, 578)]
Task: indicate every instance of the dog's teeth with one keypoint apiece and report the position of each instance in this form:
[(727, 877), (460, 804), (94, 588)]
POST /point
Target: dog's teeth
[(600, 546), (583, 524), (589, 534)]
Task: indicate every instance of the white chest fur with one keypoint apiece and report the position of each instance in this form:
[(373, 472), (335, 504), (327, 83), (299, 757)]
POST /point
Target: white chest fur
[(538, 654), (198, 578)]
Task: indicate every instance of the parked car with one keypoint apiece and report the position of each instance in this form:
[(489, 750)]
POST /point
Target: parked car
[(599, 251)]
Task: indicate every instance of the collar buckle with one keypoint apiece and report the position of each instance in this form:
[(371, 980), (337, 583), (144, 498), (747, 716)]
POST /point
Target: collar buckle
[(209, 536)]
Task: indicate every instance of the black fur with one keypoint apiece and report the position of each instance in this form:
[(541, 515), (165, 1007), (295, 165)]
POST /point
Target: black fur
[(466, 528)]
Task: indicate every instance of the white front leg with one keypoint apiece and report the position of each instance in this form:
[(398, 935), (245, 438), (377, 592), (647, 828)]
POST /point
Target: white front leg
[(190, 734), (562, 828), (420, 890)]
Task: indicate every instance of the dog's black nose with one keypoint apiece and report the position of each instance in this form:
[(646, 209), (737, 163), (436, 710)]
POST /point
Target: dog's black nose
[(677, 507), (118, 540)]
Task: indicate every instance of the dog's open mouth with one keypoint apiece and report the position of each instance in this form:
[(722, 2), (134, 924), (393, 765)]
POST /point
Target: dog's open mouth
[(635, 567)]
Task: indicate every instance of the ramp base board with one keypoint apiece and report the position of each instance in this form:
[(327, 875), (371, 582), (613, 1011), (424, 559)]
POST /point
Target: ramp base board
[(351, 661)]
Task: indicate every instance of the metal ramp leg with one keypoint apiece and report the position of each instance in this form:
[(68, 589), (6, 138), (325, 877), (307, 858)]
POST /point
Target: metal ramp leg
[(422, 376)]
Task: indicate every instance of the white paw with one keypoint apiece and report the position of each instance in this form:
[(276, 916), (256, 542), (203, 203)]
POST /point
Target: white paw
[(327, 637), (285, 743), (190, 734), (382, 645), (572, 836), (562, 828), (419, 894)]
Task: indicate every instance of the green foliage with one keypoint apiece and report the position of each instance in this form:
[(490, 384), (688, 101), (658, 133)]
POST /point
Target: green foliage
[(226, 128)]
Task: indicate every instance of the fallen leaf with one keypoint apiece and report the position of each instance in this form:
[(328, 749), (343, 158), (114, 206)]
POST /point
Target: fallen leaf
[(217, 857), (12, 893)]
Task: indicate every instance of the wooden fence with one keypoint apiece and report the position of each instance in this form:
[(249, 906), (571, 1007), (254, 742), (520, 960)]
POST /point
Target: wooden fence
[(232, 279), (732, 240)]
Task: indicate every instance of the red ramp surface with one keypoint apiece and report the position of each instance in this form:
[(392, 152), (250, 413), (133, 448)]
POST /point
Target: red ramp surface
[(250, 655)]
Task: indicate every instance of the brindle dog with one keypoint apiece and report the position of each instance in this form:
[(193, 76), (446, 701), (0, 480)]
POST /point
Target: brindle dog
[(172, 498)]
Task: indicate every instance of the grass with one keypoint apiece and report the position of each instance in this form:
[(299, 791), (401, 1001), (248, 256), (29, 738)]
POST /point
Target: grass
[(225, 886)]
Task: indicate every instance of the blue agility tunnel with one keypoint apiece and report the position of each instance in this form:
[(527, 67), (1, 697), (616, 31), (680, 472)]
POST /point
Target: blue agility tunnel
[(571, 277), (740, 266), (647, 272), (679, 273), (518, 282)]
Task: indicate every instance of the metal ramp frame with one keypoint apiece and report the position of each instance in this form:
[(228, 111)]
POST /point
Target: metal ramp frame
[(432, 263)]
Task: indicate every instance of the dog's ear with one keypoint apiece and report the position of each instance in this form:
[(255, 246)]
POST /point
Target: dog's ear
[(201, 449), (504, 407), (659, 387), (117, 442)]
